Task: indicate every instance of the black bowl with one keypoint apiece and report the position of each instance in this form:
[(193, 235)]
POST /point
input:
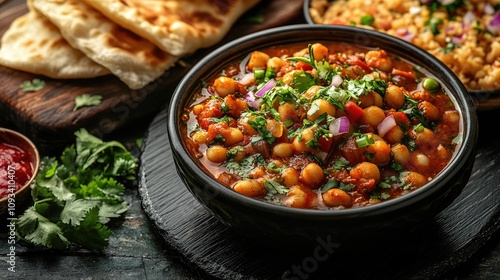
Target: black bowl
[(280, 223)]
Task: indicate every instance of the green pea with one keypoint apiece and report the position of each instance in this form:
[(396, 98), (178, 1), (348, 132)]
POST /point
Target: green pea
[(431, 85)]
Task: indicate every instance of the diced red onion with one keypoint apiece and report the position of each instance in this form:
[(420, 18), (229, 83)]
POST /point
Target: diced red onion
[(405, 34), (336, 81), (457, 39), (494, 25), (339, 126), (469, 18), (426, 1), (246, 79), (252, 101), (488, 9), (387, 124), (269, 85), (205, 92), (243, 64)]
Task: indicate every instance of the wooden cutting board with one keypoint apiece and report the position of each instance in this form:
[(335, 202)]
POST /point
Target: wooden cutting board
[(47, 116)]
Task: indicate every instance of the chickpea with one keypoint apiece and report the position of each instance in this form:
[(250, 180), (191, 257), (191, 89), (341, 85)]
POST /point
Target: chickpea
[(336, 197), (319, 107), (379, 60), (366, 100), (373, 116), (250, 188), (200, 136), (234, 136), (283, 150), (420, 161), (451, 117), (394, 135), (297, 197), (401, 153), (312, 174), (414, 179), (394, 97), (311, 92), (290, 177), (424, 137), (431, 112), (288, 77), (275, 63), (299, 145), (288, 111), (257, 60), (377, 99), (320, 51), (198, 108), (381, 152), (275, 127), (366, 170), (443, 152), (216, 153), (257, 172), (225, 86)]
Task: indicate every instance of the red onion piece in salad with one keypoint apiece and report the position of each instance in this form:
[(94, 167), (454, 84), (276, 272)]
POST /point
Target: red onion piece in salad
[(268, 86), (385, 125), (339, 126)]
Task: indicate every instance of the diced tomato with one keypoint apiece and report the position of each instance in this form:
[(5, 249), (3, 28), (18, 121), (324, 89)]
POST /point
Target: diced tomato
[(212, 110), (303, 66), (365, 185), (354, 60), (216, 129), (236, 106), (407, 74), (354, 112), (325, 144), (400, 118)]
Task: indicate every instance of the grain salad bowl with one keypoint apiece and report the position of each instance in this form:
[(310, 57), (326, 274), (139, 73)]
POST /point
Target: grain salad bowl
[(258, 218)]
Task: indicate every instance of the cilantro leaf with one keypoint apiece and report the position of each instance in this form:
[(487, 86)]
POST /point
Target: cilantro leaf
[(86, 100), (34, 85), (38, 230), (75, 211), (90, 233)]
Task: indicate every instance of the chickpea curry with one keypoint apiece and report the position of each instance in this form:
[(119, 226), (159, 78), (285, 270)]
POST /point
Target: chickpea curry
[(321, 126)]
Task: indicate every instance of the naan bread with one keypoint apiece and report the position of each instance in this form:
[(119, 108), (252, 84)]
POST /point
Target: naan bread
[(133, 59), (33, 44), (177, 27)]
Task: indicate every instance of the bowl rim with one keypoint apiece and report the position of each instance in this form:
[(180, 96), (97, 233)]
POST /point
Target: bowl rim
[(463, 103), (36, 163)]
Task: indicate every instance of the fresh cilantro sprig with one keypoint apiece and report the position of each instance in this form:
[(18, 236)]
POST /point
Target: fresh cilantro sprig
[(34, 85), (76, 196), (87, 100)]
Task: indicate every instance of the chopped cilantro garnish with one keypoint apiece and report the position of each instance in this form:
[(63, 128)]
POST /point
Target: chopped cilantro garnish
[(34, 85), (367, 20), (86, 100), (259, 124)]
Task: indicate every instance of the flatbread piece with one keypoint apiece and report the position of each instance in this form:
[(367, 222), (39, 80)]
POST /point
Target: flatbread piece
[(177, 27), (133, 59), (33, 44)]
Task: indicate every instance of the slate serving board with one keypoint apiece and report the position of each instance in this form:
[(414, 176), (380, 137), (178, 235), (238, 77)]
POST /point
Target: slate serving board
[(47, 116), (444, 244)]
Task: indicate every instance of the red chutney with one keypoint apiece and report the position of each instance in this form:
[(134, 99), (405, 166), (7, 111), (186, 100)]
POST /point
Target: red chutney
[(322, 126), (15, 168)]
